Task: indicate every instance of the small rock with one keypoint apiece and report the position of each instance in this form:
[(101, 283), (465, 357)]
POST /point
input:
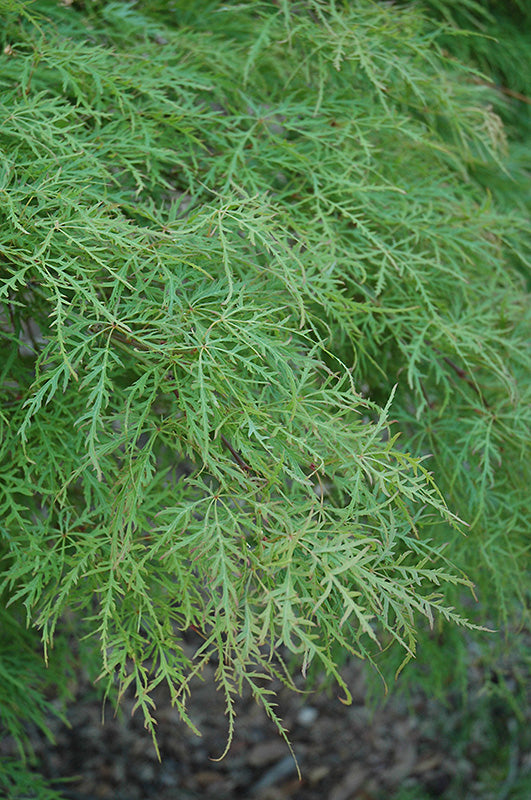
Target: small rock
[(207, 777), (317, 774), (352, 781), (146, 773), (281, 770), (267, 752), (307, 716)]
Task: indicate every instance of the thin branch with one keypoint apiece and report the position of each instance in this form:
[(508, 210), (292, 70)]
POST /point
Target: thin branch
[(505, 90), (461, 373), (237, 457)]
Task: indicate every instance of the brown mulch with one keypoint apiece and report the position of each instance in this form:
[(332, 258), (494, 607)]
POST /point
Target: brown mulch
[(419, 749)]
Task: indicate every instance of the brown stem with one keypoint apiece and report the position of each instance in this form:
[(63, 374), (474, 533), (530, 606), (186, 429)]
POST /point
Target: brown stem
[(425, 395), (120, 337), (505, 90), (237, 457), (460, 373)]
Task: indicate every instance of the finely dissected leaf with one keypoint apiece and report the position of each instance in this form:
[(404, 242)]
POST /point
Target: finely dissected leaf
[(265, 338)]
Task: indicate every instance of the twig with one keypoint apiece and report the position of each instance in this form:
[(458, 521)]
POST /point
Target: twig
[(237, 457), (130, 340), (505, 90), (461, 373)]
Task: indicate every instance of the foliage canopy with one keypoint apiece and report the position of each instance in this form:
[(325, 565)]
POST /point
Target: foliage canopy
[(265, 339)]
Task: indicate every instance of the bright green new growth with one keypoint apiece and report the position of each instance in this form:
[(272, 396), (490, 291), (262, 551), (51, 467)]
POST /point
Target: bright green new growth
[(236, 241)]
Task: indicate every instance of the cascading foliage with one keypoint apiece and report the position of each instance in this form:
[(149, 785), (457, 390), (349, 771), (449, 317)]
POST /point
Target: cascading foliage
[(264, 341)]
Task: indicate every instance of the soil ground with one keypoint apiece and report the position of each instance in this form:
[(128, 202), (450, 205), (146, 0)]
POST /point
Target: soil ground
[(478, 748)]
